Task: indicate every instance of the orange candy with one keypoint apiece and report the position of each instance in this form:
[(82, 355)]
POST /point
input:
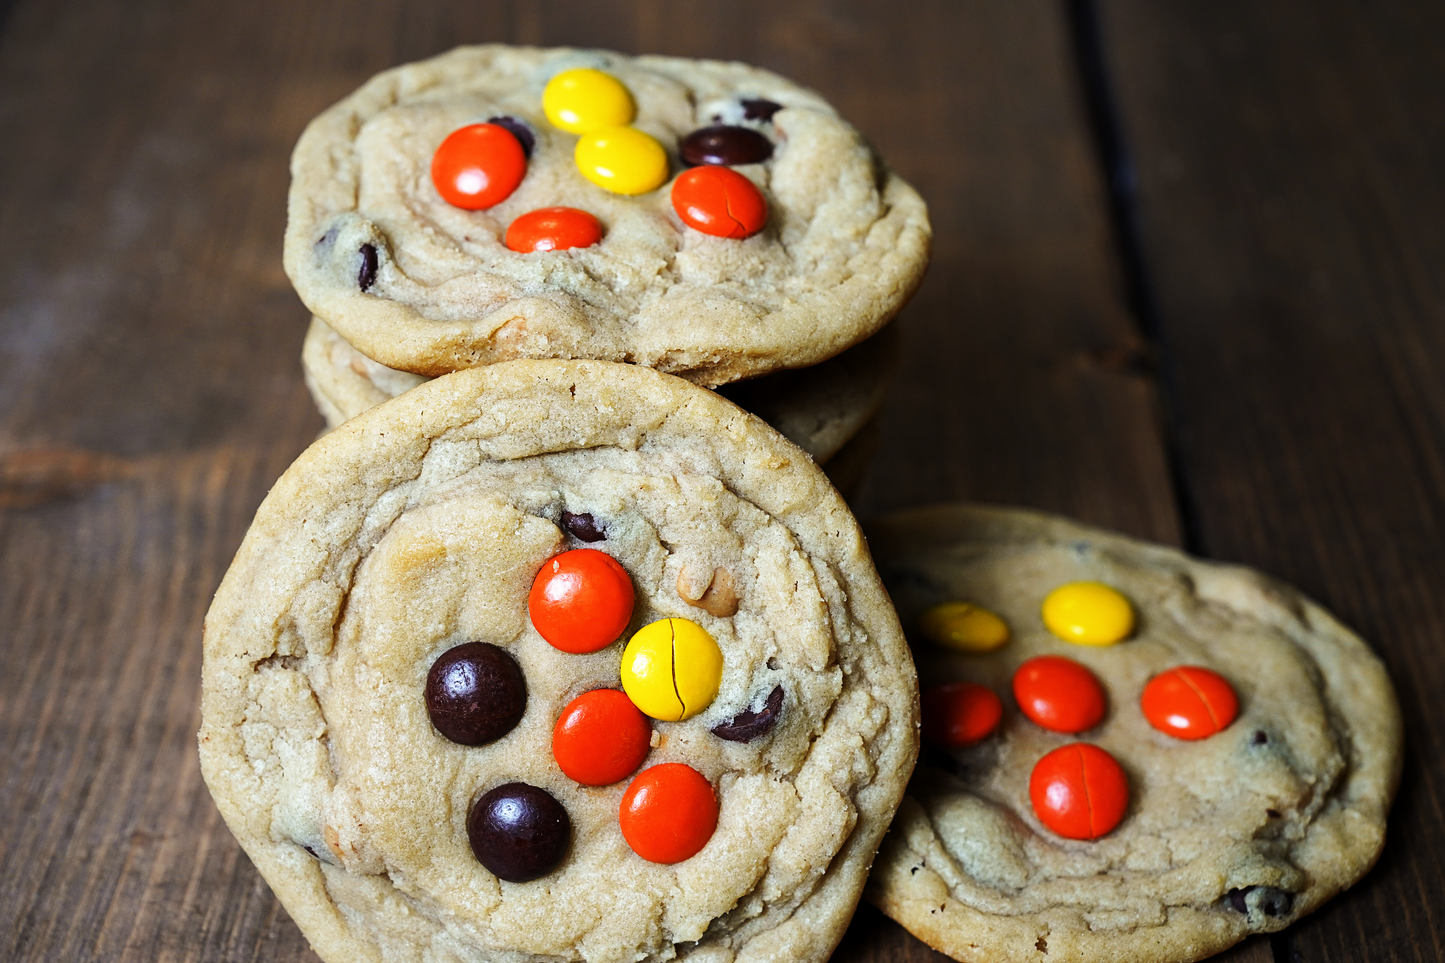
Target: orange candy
[(478, 166), (668, 813), (719, 201), (1079, 791), (959, 714), (601, 738), (581, 600), (1189, 702), (1059, 694), (553, 229)]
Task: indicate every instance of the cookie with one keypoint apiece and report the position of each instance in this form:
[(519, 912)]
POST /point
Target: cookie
[(422, 285), (1251, 786), (820, 409), (433, 586)]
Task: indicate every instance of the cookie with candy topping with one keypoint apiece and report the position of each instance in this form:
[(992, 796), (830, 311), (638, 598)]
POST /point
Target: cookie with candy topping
[(1248, 750), (420, 284), (821, 409), (450, 545)]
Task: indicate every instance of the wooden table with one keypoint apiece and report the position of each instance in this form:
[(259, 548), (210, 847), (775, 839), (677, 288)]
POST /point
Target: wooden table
[(1246, 356)]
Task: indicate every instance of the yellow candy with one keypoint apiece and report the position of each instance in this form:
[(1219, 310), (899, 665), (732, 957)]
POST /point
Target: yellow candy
[(671, 669), (1088, 613), (964, 626), (622, 160), (583, 100)]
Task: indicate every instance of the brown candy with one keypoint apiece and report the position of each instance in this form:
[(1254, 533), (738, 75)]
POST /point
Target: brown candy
[(749, 725), (475, 693), (519, 832), (725, 145), (519, 130)]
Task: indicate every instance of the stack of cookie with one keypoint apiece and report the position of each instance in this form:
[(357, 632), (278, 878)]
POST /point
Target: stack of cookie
[(546, 649), (498, 203), (549, 651)]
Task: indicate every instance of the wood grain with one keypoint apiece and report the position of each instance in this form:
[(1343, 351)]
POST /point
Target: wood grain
[(152, 389), (1290, 159)]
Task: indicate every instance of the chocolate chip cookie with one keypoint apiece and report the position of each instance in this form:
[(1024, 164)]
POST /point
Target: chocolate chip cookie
[(1129, 754), (820, 409), (444, 216), (558, 660)]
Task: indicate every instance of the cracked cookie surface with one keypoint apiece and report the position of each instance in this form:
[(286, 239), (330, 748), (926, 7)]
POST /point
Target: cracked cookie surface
[(419, 526), (845, 245), (1241, 832)]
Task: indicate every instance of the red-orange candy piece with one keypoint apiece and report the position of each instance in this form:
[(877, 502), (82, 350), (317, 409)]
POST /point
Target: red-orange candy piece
[(581, 600), (719, 201), (1079, 791), (1059, 694), (1189, 702), (600, 738), (668, 813), (553, 229), (958, 714), (478, 166)]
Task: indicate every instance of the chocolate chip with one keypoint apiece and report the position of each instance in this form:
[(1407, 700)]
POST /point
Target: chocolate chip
[(366, 277), (1271, 901), (1275, 902), (475, 693), (1259, 738), (1272, 813), (519, 130), (583, 527), (749, 725), (519, 832), (725, 145), (760, 109)]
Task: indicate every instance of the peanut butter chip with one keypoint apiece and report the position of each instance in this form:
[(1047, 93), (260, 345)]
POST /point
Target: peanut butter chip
[(719, 598), (333, 840)]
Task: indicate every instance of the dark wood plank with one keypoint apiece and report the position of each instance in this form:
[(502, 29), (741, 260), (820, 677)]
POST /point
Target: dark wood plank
[(152, 390), (1290, 159)]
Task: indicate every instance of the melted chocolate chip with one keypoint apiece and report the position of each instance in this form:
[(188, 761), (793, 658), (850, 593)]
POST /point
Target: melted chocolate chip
[(366, 276), (583, 527), (1272, 901), (749, 725), (726, 146), (1272, 813), (519, 130), (475, 693), (519, 832), (1259, 738), (760, 109)]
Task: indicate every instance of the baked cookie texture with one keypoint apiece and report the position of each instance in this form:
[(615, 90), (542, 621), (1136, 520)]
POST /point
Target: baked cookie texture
[(419, 525), (845, 246), (1240, 833), (820, 409)]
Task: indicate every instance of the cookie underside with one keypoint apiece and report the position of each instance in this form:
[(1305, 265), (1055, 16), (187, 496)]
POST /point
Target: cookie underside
[(1243, 832), (419, 525), (846, 243)]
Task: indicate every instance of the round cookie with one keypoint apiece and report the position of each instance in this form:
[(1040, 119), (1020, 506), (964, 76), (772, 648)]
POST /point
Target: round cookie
[(419, 527), (1242, 832), (820, 409), (423, 286)]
